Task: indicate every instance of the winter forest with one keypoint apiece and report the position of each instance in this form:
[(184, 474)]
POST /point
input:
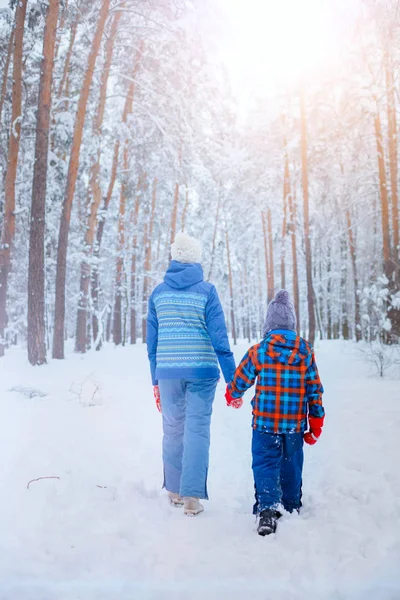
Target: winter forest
[(268, 130), (121, 124)]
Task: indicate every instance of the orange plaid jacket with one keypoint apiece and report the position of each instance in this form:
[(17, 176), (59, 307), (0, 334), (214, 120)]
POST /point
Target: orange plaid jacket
[(288, 386)]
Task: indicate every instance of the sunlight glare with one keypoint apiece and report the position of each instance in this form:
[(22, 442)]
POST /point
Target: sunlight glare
[(271, 42)]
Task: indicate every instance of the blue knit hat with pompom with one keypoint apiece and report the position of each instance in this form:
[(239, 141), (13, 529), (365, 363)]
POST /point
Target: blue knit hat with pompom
[(280, 313)]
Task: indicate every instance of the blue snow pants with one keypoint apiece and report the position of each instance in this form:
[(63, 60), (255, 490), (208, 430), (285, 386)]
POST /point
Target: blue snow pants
[(277, 469), (186, 411)]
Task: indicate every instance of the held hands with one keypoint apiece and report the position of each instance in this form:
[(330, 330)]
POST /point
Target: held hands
[(232, 402), (157, 397), (315, 425)]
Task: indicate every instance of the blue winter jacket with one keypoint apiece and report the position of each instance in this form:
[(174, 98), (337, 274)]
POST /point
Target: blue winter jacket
[(186, 330)]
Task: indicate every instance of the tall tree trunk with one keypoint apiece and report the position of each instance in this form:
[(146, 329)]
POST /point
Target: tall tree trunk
[(246, 304), (94, 198), (307, 241), (8, 229), (214, 241), (230, 276), (286, 191), (383, 193), (267, 265), (63, 18), (344, 319), (292, 229), (120, 272), (393, 161), (36, 274), (3, 92), (174, 216), (148, 260), (353, 254), (185, 209), (59, 318), (328, 294), (394, 269), (260, 295), (135, 216), (68, 57), (271, 283), (95, 279)]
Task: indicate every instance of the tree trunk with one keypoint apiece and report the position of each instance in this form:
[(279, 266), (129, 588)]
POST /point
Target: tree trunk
[(95, 279), (64, 11), (135, 216), (120, 273), (286, 191), (59, 319), (307, 241), (8, 229), (260, 295), (94, 198), (394, 269), (185, 209), (384, 195), (230, 276), (265, 235), (328, 294), (353, 254), (36, 275), (68, 57), (174, 216), (3, 92), (344, 319), (246, 304), (392, 131), (148, 260), (215, 234), (292, 229), (271, 283)]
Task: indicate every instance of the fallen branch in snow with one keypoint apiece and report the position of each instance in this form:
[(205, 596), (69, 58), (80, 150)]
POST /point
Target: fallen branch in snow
[(39, 478), (93, 395)]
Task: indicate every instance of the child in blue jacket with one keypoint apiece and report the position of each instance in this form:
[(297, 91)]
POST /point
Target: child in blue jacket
[(288, 393)]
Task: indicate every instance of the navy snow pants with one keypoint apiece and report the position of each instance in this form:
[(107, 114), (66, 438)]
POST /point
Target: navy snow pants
[(277, 469)]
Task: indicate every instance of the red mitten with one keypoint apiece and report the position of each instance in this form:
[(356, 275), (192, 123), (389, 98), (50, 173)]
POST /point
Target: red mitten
[(315, 425), (157, 397), (233, 402)]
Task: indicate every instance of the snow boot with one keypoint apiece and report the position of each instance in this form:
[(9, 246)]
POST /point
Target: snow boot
[(175, 499), (267, 521), (192, 506)]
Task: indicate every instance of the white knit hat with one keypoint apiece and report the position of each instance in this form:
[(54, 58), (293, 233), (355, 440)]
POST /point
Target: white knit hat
[(186, 249)]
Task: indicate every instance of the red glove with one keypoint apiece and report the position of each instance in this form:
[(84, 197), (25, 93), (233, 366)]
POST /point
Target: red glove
[(315, 425), (233, 402), (157, 397)]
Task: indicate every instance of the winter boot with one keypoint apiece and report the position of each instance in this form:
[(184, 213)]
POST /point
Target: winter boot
[(267, 521), (192, 506), (175, 499)]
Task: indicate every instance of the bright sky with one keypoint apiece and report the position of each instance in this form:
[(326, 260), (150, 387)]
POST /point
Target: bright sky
[(275, 43)]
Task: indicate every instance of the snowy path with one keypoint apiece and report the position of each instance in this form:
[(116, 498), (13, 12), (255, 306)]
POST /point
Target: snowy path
[(70, 539)]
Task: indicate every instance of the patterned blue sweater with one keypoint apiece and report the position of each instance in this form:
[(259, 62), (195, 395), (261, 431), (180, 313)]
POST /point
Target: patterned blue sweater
[(186, 330)]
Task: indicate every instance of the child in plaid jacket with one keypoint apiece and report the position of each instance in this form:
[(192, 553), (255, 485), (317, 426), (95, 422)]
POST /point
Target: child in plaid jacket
[(288, 394)]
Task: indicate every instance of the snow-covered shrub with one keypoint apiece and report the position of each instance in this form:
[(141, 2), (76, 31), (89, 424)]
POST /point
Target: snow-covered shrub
[(380, 355), (379, 309)]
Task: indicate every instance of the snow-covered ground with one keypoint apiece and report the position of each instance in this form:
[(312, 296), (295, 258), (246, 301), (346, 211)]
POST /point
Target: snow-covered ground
[(104, 529)]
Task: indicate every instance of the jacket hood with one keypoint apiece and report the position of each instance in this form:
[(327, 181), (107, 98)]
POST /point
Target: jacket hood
[(287, 345), (183, 275)]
